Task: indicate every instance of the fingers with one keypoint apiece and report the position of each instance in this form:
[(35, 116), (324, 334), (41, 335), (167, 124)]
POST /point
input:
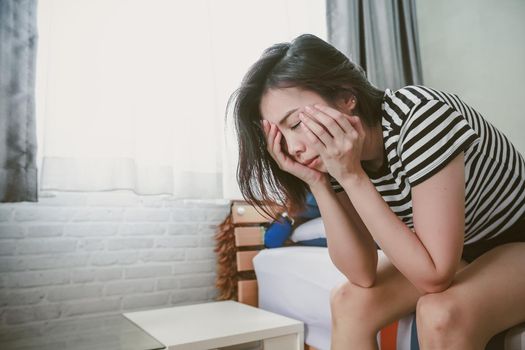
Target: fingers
[(270, 134), (339, 118), (277, 145), (315, 133), (314, 140), (357, 124), (273, 137), (351, 124), (273, 142), (266, 127), (327, 121)]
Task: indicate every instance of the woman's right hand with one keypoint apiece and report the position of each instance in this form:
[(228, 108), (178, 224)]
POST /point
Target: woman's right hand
[(273, 145)]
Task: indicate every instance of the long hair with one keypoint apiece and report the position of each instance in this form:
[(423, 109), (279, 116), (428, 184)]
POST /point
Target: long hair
[(309, 63)]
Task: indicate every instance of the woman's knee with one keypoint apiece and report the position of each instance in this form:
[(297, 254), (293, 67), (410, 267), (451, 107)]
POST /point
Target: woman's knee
[(438, 314), (349, 301)]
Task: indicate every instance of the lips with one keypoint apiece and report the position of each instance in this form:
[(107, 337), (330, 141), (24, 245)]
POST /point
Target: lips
[(310, 162)]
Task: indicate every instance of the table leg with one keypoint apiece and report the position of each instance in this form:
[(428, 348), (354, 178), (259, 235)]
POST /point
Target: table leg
[(293, 341)]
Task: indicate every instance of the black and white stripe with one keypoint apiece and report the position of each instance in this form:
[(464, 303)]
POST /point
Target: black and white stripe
[(423, 130)]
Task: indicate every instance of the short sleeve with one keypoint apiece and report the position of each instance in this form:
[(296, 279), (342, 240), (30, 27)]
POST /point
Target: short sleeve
[(335, 185), (433, 134)]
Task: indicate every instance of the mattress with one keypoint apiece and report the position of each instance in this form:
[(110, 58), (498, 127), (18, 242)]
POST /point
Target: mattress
[(296, 282)]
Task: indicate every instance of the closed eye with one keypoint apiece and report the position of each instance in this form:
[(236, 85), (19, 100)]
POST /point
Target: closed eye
[(295, 126)]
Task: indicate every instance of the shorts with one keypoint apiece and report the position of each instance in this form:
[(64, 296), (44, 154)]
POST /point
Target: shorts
[(515, 233)]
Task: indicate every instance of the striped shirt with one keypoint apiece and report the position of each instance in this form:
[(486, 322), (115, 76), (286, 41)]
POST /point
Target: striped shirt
[(423, 130)]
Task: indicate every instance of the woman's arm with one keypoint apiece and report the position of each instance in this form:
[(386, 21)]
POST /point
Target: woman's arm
[(428, 257), (350, 245)]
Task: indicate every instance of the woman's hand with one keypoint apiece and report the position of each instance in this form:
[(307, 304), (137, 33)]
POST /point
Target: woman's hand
[(285, 162), (337, 137)]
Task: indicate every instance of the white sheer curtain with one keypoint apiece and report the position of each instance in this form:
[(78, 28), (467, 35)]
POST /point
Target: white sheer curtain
[(131, 94)]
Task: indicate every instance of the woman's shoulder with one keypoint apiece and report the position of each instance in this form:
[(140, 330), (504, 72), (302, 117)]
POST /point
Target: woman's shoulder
[(402, 106), (399, 104), (413, 95), (408, 99)]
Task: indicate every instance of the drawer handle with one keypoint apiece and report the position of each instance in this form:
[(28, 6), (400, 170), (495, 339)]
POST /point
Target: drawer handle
[(241, 210)]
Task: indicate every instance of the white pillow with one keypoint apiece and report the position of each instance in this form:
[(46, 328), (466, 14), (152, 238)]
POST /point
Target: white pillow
[(311, 229)]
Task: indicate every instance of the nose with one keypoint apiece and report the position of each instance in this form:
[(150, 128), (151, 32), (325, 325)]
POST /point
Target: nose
[(295, 146)]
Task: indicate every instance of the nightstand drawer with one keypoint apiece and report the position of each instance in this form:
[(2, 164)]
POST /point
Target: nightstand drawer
[(243, 213), (249, 236), (244, 260), (248, 292)]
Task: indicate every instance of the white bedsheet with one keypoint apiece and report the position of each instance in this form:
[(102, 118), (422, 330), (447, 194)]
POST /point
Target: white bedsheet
[(296, 282)]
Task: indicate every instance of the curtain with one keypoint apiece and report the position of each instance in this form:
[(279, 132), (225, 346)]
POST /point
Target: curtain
[(380, 36), (18, 145), (132, 94)]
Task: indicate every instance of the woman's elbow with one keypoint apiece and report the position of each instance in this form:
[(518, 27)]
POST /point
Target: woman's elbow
[(364, 277), (364, 283), (360, 272), (368, 279), (436, 285)]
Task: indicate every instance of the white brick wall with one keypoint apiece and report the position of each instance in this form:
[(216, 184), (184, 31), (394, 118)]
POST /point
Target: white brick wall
[(81, 254)]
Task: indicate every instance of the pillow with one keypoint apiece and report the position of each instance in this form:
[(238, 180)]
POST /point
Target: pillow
[(308, 231), (277, 233)]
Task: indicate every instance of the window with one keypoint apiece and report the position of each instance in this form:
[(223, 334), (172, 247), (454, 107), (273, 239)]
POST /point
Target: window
[(131, 94)]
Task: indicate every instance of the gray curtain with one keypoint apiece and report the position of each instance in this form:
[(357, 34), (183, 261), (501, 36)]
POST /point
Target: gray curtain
[(380, 36), (18, 144)]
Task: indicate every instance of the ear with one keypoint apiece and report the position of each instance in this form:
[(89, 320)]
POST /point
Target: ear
[(347, 104)]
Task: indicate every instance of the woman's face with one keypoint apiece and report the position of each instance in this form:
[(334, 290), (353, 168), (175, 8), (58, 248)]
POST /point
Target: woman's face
[(282, 107)]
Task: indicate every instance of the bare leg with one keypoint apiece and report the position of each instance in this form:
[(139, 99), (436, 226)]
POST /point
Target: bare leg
[(359, 313), (485, 298)]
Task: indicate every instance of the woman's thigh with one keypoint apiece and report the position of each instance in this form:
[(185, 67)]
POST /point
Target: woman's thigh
[(389, 299), (489, 293)]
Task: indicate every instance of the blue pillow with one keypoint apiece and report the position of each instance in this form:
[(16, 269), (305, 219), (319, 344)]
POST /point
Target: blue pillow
[(277, 233)]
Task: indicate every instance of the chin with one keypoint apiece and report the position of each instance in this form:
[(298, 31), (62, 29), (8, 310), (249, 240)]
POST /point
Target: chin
[(321, 168)]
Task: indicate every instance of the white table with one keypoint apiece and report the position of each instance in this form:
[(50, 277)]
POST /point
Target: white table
[(219, 324)]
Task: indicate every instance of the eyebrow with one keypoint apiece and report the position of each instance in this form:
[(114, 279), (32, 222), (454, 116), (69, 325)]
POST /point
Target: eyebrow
[(281, 122)]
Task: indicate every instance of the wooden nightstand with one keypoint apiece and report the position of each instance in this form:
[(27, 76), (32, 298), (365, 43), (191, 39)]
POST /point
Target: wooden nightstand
[(249, 227), (239, 238)]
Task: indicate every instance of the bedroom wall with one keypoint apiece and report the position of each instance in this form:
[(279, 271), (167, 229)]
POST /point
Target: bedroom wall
[(75, 255), (475, 48)]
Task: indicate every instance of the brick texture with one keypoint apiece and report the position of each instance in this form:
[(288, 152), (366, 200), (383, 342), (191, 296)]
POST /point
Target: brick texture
[(77, 254)]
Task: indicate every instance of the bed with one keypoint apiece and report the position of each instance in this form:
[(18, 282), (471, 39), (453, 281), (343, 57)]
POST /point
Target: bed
[(296, 280)]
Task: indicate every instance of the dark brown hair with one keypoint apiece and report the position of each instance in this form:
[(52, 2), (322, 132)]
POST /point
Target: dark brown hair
[(309, 63)]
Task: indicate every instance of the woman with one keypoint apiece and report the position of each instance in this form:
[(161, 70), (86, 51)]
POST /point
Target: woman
[(416, 171)]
